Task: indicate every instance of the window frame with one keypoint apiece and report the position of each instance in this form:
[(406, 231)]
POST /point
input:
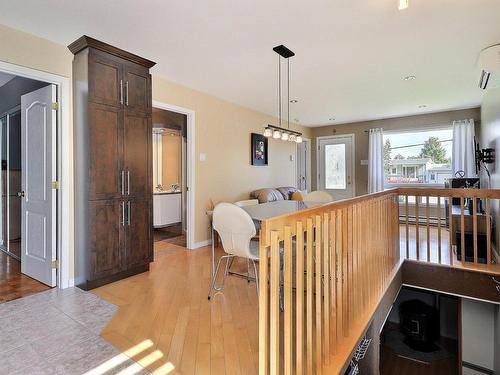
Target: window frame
[(424, 128)]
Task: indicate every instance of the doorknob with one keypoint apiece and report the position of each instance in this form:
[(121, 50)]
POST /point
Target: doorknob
[(20, 194)]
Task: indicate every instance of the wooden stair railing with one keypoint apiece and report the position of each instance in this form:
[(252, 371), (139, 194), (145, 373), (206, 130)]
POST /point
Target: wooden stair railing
[(318, 260), (324, 270)]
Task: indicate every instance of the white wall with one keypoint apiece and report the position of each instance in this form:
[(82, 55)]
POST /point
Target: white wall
[(478, 333)]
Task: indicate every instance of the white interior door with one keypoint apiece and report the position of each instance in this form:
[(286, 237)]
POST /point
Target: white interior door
[(336, 166), (38, 164), (303, 165)]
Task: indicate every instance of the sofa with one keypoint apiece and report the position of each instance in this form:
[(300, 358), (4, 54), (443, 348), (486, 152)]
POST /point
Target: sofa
[(273, 194)]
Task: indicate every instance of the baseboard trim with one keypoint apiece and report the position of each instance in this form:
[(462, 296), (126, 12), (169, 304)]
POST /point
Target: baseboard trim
[(197, 245)]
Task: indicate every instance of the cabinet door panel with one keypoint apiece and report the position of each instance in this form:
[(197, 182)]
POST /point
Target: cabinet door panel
[(137, 154), (137, 83), (105, 74), (105, 152), (106, 238), (139, 246)]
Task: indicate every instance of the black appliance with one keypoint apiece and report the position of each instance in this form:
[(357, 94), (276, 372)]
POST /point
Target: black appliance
[(419, 324)]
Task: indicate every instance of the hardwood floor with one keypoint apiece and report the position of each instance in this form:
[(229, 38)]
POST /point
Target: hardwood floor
[(13, 284), (166, 321)]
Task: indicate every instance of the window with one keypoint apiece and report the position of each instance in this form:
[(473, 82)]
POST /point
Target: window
[(417, 157), (335, 171)]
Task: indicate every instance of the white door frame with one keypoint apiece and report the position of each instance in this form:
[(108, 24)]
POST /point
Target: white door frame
[(353, 155), (64, 166), (190, 162), (308, 166)]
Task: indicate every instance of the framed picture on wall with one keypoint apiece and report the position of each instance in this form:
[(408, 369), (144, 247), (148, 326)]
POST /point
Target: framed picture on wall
[(259, 150)]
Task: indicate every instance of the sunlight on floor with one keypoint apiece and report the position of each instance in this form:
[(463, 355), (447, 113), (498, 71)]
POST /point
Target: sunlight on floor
[(140, 364)]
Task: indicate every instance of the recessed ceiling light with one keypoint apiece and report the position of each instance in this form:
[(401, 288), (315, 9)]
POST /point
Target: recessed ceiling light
[(410, 78), (331, 119), (293, 101), (422, 106)]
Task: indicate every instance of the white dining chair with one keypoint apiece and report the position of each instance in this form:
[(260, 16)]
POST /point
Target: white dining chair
[(247, 202), (318, 196), (236, 229)]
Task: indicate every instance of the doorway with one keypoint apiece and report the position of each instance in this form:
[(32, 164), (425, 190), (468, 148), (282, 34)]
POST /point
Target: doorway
[(169, 176), (336, 165), (28, 204), (304, 165)]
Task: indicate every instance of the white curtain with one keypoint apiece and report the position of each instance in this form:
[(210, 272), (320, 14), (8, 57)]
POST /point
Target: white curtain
[(463, 147), (375, 160)]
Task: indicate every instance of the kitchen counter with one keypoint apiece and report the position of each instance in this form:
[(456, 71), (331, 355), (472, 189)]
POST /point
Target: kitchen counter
[(167, 192)]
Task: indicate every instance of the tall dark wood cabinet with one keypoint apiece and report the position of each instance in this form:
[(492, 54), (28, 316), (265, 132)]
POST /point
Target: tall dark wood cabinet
[(112, 163)]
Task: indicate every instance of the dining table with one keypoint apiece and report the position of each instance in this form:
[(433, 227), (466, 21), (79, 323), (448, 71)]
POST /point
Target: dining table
[(264, 211)]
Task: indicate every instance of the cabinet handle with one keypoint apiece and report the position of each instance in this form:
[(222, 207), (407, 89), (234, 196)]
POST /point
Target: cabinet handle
[(128, 182), (123, 214), (121, 91), (123, 183), (128, 213), (126, 93)]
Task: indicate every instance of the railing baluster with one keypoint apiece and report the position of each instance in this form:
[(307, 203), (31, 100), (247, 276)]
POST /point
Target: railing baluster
[(462, 229), (474, 228), (488, 231), (275, 308), (450, 228), (287, 286), (264, 348), (319, 298), (417, 229), (407, 228), (309, 295), (428, 231), (333, 280), (439, 227), (299, 300), (326, 288), (340, 276), (345, 274)]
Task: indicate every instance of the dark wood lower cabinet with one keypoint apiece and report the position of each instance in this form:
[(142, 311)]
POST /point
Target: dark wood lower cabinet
[(106, 238), (139, 244)]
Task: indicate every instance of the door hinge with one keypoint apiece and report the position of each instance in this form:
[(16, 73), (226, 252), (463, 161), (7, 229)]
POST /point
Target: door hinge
[(56, 185), (55, 106), (55, 264)]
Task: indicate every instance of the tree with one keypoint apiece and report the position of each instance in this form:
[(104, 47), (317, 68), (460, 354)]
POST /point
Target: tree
[(387, 155), (399, 157), (434, 150)]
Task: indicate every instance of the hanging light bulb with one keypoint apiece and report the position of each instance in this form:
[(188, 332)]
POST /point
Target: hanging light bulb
[(292, 138), (277, 134), (403, 4), (268, 133), (298, 139), (284, 136)]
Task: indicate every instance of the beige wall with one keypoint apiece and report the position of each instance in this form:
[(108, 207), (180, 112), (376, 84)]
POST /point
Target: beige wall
[(222, 129), (223, 133), (361, 137)]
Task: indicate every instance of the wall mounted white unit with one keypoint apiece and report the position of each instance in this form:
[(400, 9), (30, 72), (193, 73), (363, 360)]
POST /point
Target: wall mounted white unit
[(489, 63)]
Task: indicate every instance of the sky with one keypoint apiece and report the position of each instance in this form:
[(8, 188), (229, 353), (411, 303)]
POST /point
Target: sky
[(411, 138)]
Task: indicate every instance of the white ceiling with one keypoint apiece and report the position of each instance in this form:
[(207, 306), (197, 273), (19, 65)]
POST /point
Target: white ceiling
[(351, 55), (4, 78)]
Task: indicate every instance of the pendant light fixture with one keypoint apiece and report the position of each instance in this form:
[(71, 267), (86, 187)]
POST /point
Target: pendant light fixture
[(280, 132)]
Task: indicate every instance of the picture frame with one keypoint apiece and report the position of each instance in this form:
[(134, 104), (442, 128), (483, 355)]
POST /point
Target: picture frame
[(259, 150)]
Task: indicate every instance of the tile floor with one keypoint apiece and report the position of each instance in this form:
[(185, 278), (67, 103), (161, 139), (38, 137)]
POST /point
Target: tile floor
[(56, 332)]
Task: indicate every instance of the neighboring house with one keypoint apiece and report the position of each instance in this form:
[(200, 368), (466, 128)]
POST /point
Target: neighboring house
[(421, 171)]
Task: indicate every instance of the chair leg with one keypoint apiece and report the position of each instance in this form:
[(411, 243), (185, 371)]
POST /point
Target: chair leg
[(212, 284), (256, 277)]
